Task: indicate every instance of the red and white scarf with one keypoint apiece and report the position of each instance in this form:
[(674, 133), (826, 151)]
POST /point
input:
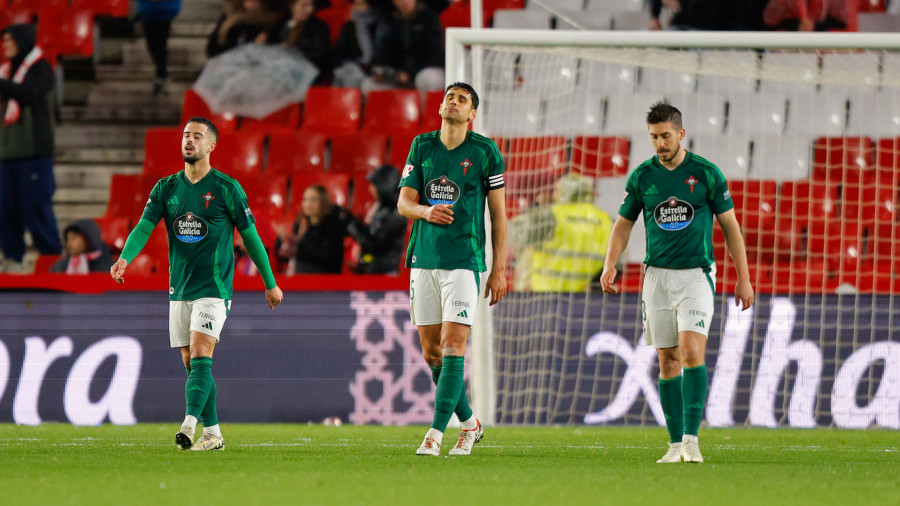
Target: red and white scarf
[(12, 108)]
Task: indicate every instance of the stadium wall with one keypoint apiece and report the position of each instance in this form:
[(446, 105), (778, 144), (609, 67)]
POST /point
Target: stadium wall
[(105, 358)]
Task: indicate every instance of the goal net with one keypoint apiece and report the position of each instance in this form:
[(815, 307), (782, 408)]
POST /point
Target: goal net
[(807, 138)]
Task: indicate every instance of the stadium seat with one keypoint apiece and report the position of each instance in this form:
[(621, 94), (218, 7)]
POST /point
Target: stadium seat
[(128, 194), (45, 4), (266, 194), (331, 111), (710, 79), (756, 114), (162, 151), (114, 231), (754, 206), (490, 7), (796, 67), (238, 154), (801, 277), (885, 240), (533, 164), (361, 199), (70, 32), (431, 117), (393, 110), (667, 82), (399, 146), (626, 113), (634, 20), (337, 185), (843, 160), (158, 244), (457, 15), (873, 114), (111, 8), (601, 156), (142, 266), (43, 263), (501, 71), (781, 157), (887, 162), (290, 153), (574, 114), (816, 114), (287, 118), (617, 5), (360, 153), (583, 20), (608, 78), (512, 113), (806, 200), (194, 105), (543, 72), (878, 22), (731, 153)]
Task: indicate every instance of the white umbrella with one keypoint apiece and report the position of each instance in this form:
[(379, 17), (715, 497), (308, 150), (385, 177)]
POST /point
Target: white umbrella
[(255, 80)]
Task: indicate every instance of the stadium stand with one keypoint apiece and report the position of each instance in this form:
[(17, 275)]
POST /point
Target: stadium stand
[(332, 111)]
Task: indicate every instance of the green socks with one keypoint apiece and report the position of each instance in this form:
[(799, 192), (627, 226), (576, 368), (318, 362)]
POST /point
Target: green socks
[(462, 410), (670, 397), (693, 391), (198, 387), (209, 416), (449, 388)]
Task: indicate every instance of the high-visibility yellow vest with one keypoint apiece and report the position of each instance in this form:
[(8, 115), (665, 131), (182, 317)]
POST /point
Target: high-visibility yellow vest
[(575, 253)]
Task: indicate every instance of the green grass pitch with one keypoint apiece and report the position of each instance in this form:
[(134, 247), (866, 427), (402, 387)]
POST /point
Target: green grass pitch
[(310, 464)]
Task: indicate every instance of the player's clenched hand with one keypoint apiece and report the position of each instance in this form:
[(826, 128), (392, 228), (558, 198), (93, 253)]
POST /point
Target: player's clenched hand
[(274, 297), (440, 214), (743, 295), (495, 287), (608, 278), (117, 271)]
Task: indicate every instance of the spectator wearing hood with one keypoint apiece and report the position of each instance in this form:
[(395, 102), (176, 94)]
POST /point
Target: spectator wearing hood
[(85, 250), (26, 148), (382, 234)]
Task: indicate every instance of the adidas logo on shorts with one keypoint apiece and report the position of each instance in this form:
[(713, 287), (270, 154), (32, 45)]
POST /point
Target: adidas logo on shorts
[(463, 314), (208, 325)]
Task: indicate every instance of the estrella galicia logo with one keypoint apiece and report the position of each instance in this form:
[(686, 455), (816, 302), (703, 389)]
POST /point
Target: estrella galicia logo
[(190, 228), (441, 191), (673, 214)]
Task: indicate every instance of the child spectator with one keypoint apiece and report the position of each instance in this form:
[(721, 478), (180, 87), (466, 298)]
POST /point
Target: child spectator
[(85, 250)]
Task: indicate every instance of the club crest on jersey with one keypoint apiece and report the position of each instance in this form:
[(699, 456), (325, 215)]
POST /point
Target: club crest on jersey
[(406, 170), (207, 198), (465, 165), (441, 191), (691, 181), (190, 228), (673, 214)]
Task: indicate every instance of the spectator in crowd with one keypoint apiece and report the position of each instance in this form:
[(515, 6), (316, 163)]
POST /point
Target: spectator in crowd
[(810, 15), (386, 6), (306, 33), (381, 235), (26, 148), (243, 21), (355, 47), (409, 49), (156, 18), (85, 250), (560, 247), (692, 14), (316, 244)]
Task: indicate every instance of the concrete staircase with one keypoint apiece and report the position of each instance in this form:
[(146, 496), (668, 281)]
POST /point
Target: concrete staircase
[(102, 121)]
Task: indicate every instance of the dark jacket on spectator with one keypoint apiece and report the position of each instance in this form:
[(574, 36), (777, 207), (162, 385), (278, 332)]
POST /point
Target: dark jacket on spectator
[(382, 240), (158, 10), (313, 41), (348, 47), (247, 30), (321, 249), (410, 45), (32, 135), (97, 255), (697, 14)]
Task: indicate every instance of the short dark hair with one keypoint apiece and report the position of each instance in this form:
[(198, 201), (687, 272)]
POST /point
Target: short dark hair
[(210, 127), (468, 88), (662, 112)]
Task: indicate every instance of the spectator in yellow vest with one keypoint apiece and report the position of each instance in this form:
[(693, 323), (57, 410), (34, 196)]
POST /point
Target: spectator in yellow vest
[(560, 247)]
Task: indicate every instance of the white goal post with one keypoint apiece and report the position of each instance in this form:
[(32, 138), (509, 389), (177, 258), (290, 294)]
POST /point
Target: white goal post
[(799, 123)]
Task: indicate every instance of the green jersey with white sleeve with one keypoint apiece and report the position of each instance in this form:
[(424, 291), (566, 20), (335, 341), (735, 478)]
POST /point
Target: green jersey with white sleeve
[(461, 177), (200, 219), (678, 207)]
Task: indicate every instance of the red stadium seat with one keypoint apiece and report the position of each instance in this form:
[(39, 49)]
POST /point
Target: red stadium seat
[(431, 117), (331, 111), (44, 4), (803, 276), (887, 162), (162, 151), (754, 206), (600, 156), (114, 231), (111, 8), (803, 200), (399, 148), (490, 6), (533, 164), (361, 199), (143, 265), (266, 194), (194, 105), (355, 154), (287, 118), (15, 15), (128, 194), (885, 239), (843, 159), (43, 263), (67, 31), (158, 244), (290, 153), (238, 154), (392, 111), (457, 15), (337, 185)]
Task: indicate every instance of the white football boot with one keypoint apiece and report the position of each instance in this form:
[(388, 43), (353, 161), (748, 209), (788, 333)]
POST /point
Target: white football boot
[(690, 449), (467, 439), (208, 442), (429, 447), (185, 437), (673, 455)]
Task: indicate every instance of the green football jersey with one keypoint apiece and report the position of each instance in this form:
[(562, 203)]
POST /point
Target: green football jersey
[(678, 208), (462, 177), (200, 219)]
